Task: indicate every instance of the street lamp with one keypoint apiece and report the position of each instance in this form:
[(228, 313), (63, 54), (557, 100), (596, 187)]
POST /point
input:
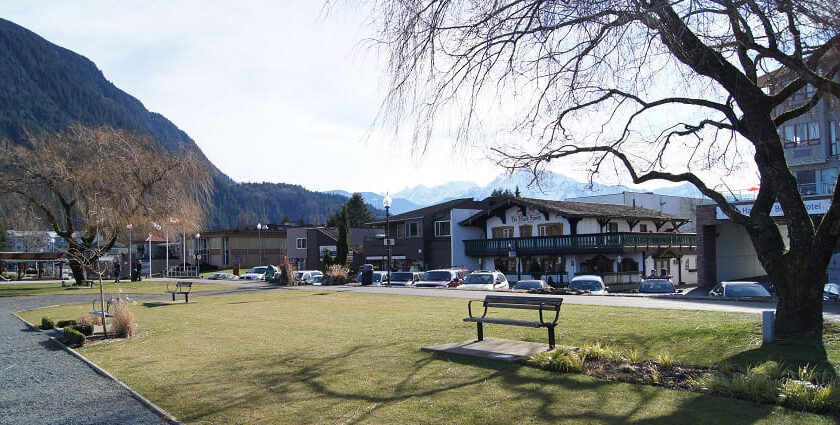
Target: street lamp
[(387, 203), (197, 256), (260, 228), (130, 264)]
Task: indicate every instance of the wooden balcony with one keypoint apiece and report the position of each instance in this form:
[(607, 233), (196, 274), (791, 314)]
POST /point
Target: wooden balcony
[(572, 244)]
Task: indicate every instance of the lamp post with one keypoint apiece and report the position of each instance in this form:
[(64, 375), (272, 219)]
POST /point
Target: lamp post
[(130, 266), (512, 254), (260, 228), (197, 256), (387, 204)]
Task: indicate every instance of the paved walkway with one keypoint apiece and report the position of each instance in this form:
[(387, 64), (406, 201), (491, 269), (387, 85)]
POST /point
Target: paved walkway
[(40, 383)]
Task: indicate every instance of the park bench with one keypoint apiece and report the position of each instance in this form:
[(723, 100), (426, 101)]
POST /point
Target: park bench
[(180, 287), (542, 304), (98, 311)]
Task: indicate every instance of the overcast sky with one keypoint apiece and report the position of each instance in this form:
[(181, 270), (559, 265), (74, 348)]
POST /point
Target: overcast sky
[(270, 91)]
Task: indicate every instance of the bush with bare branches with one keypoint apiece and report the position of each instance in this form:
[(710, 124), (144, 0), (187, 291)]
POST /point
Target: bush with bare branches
[(124, 324)]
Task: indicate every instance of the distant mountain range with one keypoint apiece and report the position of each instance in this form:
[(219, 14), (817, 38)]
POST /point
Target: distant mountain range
[(554, 186)]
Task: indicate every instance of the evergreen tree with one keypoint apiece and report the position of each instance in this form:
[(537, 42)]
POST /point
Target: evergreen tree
[(299, 221), (343, 246), (357, 211), (501, 193), (326, 262)]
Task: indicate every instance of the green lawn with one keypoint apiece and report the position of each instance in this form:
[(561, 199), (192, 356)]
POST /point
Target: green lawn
[(13, 289), (308, 356)]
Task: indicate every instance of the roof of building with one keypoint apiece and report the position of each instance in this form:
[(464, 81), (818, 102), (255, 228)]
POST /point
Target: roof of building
[(333, 234), (572, 210), (465, 203)]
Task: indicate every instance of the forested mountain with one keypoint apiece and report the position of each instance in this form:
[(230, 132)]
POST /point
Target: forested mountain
[(45, 88)]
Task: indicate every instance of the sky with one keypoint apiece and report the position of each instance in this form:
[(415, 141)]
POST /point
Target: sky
[(274, 91)]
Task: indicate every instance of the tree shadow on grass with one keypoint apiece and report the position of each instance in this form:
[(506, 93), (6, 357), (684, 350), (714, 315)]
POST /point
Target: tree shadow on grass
[(293, 380)]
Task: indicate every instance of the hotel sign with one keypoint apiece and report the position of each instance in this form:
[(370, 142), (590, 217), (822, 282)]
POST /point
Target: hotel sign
[(814, 207)]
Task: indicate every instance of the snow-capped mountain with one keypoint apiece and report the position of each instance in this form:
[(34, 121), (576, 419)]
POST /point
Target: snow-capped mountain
[(553, 186)]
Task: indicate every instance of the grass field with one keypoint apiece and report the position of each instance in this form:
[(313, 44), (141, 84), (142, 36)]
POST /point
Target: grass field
[(309, 356), (109, 287)]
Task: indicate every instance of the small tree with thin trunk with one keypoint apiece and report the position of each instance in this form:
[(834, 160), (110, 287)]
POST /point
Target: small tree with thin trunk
[(677, 91), (342, 245)]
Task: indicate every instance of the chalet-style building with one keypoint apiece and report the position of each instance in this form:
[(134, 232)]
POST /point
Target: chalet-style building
[(521, 236)]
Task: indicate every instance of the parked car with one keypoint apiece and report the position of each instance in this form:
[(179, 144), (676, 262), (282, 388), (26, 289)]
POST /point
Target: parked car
[(222, 276), (308, 276), (831, 292), (526, 285), (440, 279), (658, 286), (485, 280), (593, 284), (317, 280), (740, 290), (257, 273), (405, 278)]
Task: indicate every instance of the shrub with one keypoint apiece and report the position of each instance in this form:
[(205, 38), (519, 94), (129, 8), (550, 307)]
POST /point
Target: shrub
[(635, 356), (558, 360), (46, 323), (86, 330), (803, 395), (65, 323), (287, 273), (73, 337), (598, 351), (665, 359), (124, 324)]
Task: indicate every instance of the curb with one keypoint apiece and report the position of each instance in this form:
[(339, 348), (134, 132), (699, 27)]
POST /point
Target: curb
[(143, 400)]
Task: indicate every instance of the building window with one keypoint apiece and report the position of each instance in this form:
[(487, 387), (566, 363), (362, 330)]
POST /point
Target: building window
[(412, 230), (807, 182), (526, 231), (552, 229), (225, 251), (301, 243), (442, 228), (806, 133), (643, 228), (502, 232), (833, 138), (612, 227)]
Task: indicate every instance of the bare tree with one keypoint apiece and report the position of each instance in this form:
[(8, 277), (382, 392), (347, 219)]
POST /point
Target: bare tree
[(87, 184), (676, 90)]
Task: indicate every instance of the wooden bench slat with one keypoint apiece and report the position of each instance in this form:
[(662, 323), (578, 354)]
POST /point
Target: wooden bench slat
[(523, 306), (512, 322), (523, 300)]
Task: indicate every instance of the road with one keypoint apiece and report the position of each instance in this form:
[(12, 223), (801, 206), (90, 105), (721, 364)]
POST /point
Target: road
[(831, 311)]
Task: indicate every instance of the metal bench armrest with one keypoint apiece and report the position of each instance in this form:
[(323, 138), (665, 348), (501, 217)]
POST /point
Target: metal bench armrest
[(469, 308)]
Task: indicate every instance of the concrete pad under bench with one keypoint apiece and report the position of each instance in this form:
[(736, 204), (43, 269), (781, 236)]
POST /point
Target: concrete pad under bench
[(491, 348)]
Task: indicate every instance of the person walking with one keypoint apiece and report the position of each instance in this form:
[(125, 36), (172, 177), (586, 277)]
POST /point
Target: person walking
[(116, 272)]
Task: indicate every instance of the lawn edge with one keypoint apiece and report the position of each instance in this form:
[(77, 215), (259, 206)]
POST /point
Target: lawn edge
[(102, 372)]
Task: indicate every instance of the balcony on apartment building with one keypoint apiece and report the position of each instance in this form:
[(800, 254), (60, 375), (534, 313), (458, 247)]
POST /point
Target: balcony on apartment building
[(570, 244)]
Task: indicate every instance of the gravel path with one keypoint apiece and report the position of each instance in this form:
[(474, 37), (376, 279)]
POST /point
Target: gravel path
[(40, 383)]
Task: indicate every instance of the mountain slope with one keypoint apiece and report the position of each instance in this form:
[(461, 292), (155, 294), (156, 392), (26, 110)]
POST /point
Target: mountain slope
[(45, 88)]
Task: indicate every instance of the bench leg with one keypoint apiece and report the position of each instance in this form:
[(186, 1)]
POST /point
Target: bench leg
[(480, 327), (173, 297), (551, 337), (187, 298)]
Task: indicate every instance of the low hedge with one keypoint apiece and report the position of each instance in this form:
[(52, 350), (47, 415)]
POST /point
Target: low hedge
[(65, 323), (73, 337), (86, 330), (47, 323)]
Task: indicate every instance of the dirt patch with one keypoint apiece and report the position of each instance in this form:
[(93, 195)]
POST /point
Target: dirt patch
[(647, 373)]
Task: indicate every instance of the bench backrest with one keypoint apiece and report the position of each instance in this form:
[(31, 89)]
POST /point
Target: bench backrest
[(182, 284), (529, 303)]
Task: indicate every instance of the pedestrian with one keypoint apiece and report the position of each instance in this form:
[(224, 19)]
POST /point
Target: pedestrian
[(116, 272), (138, 268)]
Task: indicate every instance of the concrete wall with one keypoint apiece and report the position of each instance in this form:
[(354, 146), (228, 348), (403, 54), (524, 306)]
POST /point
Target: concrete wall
[(459, 235)]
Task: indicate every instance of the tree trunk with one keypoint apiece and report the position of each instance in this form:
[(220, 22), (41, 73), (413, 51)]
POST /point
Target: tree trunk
[(799, 310), (78, 271)]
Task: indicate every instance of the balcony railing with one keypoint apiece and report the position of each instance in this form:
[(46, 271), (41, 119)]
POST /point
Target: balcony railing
[(607, 242)]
